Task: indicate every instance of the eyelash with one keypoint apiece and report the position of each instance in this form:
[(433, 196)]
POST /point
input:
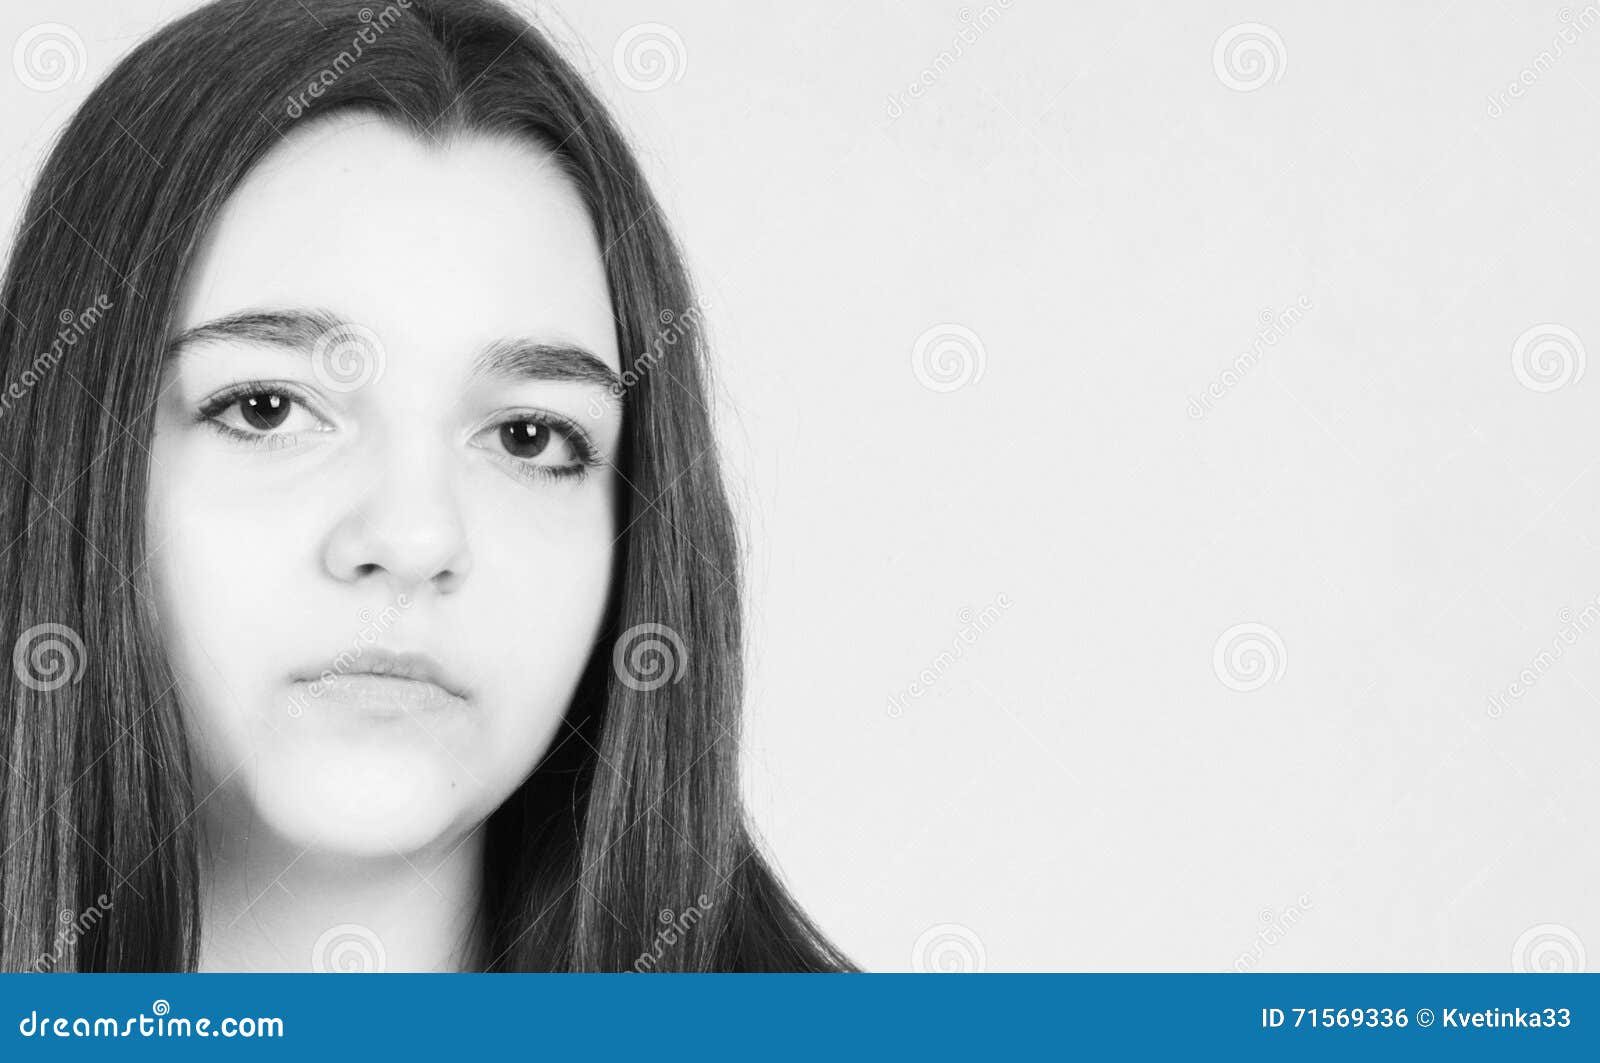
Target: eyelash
[(588, 456)]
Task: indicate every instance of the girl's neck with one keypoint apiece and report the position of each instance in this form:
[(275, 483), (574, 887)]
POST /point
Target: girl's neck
[(270, 905)]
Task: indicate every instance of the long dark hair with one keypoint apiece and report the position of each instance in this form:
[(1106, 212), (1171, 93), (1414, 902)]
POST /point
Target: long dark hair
[(635, 813)]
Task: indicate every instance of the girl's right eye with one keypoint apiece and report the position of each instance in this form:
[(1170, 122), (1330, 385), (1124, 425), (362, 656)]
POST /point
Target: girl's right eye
[(257, 412)]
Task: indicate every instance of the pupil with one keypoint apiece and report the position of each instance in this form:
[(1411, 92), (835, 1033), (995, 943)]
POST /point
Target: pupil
[(265, 411), (525, 439)]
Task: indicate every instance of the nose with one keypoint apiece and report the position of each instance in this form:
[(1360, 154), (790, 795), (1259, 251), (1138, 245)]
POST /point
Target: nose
[(404, 524)]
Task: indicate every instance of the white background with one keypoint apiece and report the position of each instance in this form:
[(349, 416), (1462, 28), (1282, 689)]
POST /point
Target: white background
[(1082, 787)]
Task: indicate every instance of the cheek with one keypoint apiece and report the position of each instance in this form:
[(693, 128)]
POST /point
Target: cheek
[(208, 568), (220, 557), (535, 604)]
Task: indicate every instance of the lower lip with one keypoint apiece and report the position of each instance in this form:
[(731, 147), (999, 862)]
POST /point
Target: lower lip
[(379, 696)]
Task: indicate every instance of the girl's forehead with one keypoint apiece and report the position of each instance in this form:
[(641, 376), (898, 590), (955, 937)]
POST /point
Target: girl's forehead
[(440, 245)]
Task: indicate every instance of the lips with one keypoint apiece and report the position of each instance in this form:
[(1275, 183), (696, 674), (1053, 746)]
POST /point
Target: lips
[(384, 697), (391, 664)]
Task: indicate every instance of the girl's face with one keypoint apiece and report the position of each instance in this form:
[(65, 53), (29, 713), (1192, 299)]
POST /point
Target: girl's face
[(385, 441)]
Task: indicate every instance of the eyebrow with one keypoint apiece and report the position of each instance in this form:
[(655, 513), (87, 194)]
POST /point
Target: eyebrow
[(300, 329)]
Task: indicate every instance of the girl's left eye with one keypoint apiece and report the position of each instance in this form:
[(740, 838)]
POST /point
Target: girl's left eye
[(543, 446)]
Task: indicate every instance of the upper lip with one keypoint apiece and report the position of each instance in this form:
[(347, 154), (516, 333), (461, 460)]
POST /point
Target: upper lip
[(402, 664)]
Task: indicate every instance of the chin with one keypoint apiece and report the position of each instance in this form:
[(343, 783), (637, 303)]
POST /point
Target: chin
[(376, 805)]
